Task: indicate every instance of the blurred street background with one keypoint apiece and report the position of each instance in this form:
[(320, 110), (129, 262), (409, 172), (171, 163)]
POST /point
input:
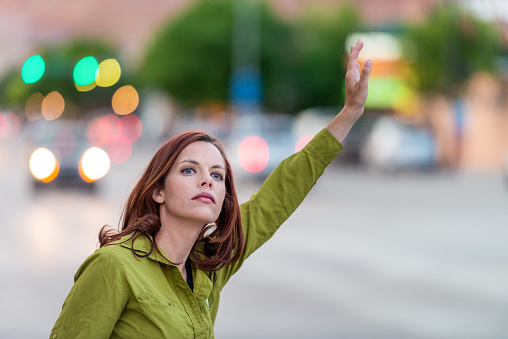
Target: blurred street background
[(405, 236)]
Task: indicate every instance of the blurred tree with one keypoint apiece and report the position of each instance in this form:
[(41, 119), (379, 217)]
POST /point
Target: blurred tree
[(60, 61), (301, 65), (449, 47), (321, 69), (279, 63), (190, 57)]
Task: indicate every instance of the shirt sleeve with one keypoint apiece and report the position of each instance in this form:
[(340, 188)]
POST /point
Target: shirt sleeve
[(281, 193), (95, 301)]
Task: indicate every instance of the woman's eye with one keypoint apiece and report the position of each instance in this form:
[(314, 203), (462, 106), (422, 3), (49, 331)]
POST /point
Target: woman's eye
[(187, 170), (217, 176)]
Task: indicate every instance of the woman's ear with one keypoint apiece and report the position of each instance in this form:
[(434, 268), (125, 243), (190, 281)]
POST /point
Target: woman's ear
[(158, 195)]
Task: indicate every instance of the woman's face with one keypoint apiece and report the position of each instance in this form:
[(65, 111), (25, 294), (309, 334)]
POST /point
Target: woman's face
[(194, 188)]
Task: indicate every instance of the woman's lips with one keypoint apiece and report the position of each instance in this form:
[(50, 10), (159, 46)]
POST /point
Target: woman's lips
[(204, 197)]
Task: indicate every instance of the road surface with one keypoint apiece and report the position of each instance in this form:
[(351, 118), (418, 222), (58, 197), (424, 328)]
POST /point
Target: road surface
[(367, 255)]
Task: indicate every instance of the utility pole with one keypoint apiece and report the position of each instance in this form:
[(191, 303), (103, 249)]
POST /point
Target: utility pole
[(246, 83)]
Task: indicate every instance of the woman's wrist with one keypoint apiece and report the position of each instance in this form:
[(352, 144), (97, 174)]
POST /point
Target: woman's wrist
[(352, 112), (342, 123)]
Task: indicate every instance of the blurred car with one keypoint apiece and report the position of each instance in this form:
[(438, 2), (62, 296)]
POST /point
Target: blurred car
[(357, 138), (312, 120), (392, 146), (259, 142), (60, 154)]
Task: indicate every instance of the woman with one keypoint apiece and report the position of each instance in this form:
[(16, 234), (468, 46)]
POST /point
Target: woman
[(161, 276)]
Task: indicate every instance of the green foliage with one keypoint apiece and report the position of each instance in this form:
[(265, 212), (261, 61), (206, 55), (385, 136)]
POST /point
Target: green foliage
[(321, 68), (191, 56), (449, 48), (302, 64), (279, 61), (60, 61)]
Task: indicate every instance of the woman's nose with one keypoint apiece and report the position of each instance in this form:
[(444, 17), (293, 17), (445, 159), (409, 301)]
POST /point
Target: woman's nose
[(207, 181)]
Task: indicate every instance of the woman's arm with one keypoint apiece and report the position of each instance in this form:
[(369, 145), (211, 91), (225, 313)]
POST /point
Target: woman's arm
[(95, 301), (281, 193), (288, 185), (356, 95)]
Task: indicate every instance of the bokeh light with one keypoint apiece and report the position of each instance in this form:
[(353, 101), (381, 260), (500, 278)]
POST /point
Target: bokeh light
[(86, 88), (116, 135), (44, 165), (10, 126), (302, 141), (131, 126), (102, 130), (3, 126), (53, 106), (94, 164), (85, 71), (125, 100), (33, 107), (33, 69), (253, 154), (109, 73), (120, 149)]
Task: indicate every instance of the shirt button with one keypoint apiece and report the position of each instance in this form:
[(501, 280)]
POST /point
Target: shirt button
[(54, 335)]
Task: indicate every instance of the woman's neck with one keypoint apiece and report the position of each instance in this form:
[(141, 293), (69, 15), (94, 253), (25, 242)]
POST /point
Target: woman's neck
[(176, 241)]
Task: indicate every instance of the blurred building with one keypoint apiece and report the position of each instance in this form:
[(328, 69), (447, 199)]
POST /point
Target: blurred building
[(26, 24), (373, 12), (472, 133)]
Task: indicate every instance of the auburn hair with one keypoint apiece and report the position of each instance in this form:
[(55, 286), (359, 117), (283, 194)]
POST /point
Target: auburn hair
[(141, 216)]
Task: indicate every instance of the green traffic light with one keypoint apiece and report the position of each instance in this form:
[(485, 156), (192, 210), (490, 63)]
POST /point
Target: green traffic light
[(85, 72), (33, 69)]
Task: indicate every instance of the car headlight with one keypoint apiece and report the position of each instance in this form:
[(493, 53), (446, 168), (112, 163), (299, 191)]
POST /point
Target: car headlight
[(44, 165), (94, 164)]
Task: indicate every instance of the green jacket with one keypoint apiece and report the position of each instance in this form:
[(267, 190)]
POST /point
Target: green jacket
[(119, 296)]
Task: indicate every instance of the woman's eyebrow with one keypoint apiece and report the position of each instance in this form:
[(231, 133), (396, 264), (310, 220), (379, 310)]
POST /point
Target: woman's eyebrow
[(197, 163), (191, 161)]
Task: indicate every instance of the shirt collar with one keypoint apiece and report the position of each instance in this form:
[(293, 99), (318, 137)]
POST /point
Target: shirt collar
[(142, 245), (202, 283)]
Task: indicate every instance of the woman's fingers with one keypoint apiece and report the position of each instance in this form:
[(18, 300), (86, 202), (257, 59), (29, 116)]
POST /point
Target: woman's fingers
[(353, 68), (357, 87), (367, 68), (356, 82), (355, 51)]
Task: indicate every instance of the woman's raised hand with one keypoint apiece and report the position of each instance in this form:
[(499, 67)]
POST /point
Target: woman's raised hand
[(357, 88), (357, 84)]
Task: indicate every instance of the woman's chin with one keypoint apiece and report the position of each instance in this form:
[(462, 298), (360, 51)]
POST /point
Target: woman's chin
[(206, 219)]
